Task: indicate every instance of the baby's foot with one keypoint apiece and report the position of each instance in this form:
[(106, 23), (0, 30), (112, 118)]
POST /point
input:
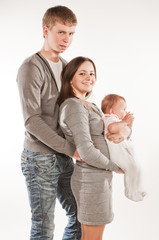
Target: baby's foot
[(143, 194), (136, 196)]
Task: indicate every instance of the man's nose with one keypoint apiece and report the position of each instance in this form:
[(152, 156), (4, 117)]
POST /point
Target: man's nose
[(66, 39)]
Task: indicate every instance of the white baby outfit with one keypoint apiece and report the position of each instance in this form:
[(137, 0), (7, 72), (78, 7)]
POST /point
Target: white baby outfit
[(123, 155)]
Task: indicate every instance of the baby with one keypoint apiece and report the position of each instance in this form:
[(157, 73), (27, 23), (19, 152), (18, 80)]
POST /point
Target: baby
[(115, 119)]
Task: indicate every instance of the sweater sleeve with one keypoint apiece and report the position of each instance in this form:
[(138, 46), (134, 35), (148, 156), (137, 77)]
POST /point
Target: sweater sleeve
[(75, 116), (30, 81)]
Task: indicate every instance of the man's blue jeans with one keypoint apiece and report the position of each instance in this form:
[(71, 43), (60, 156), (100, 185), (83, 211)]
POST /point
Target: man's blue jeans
[(47, 177)]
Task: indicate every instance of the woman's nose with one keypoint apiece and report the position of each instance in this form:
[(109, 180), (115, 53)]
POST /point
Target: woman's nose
[(88, 77)]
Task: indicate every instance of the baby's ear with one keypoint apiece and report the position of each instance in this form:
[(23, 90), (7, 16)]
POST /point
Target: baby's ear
[(110, 111)]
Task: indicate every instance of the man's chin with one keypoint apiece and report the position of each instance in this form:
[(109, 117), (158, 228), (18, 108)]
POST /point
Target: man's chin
[(62, 49), (59, 51)]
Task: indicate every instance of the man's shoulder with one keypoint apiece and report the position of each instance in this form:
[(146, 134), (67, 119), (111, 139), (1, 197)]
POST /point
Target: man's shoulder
[(38, 60), (31, 66), (34, 63), (33, 59)]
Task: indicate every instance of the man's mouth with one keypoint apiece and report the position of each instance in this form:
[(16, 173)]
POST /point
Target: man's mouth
[(63, 46)]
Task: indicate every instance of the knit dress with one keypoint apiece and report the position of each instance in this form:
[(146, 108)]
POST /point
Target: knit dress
[(91, 181)]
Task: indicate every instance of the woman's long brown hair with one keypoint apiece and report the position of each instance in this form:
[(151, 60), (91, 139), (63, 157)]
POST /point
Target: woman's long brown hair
[(67, 76)]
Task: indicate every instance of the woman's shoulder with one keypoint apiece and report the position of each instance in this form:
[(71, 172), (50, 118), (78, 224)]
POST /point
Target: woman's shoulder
[(72, 105), (70, 102)]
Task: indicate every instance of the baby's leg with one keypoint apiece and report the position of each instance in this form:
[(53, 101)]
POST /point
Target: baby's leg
[(132, 182), (122, 154)]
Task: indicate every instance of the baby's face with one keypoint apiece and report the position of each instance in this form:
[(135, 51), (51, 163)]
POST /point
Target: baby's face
[(119, 108)]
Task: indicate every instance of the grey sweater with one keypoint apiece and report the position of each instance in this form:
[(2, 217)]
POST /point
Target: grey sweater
[(38, 94), (85, 129)]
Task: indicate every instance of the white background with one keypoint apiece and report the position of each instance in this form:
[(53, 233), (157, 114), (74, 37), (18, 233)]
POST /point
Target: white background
[(122, 37)]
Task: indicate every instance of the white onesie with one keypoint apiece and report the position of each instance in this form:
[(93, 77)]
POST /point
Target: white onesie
[(123, 155)]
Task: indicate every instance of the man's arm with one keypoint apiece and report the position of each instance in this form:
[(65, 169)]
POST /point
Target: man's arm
[(30, 83)]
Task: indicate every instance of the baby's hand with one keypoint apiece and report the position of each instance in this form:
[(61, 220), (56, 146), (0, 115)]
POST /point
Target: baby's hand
[(129, 118)]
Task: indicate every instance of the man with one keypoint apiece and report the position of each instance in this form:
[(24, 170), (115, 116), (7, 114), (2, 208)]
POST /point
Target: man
[(44, 163)]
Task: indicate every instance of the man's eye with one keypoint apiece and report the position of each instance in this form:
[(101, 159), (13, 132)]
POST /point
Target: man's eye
[(61, 32)]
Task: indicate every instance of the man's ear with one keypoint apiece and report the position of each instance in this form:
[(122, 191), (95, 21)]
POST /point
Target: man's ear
[(45, 31)]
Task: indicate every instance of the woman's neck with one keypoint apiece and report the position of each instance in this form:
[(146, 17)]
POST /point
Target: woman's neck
[(81, 97)]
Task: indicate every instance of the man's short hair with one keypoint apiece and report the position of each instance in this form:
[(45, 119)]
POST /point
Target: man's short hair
[(60, 14)]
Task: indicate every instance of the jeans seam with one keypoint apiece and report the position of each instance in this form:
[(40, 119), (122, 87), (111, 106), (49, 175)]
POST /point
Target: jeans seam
[(44, 216), (73, 218), (43, 212), (31, 158)]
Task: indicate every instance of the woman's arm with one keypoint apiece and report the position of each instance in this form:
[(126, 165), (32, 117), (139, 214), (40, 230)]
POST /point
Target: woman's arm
[(117, 127), (75, 116), (118, 131)]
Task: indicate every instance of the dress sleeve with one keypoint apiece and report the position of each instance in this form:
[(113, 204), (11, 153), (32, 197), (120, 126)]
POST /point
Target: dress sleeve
[(76, 117), (30, 81)]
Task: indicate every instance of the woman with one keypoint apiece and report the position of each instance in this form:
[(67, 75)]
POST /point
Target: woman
[(82, 124)]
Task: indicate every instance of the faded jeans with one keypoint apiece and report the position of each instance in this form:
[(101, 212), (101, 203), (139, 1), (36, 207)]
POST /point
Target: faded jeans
[(47, 177)]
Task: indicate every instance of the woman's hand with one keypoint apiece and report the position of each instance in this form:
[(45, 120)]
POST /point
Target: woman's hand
[(77, 156), (115, 137)]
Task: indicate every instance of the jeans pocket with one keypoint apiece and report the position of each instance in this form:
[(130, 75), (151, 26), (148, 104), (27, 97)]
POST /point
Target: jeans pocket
[(44, 163)]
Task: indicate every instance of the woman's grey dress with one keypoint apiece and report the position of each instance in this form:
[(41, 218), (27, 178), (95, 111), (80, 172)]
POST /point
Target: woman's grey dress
[(91, 179)]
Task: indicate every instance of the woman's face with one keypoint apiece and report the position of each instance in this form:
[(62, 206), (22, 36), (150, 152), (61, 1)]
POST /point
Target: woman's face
[(83, 80)]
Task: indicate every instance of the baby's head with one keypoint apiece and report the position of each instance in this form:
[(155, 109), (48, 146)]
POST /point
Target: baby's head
[(114, 104)]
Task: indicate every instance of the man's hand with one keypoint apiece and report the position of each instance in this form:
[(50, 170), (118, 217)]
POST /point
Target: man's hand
[(77, 156), (120, 171)]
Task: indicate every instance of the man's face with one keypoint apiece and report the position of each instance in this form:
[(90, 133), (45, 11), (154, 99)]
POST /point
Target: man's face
[(59, 37)]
